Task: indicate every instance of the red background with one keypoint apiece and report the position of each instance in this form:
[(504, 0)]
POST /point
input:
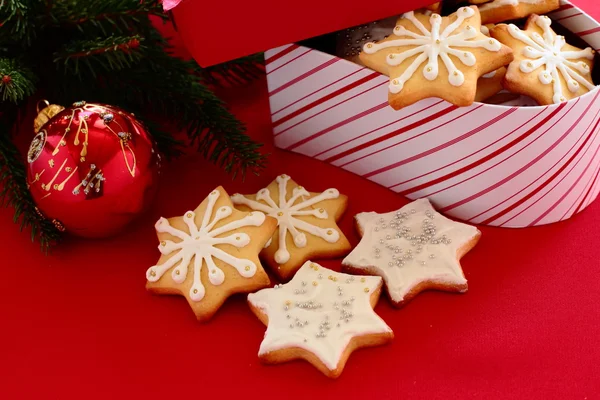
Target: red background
[(79, 323)]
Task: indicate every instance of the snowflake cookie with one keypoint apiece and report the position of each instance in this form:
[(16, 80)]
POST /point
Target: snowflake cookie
[(546, 68), (434, 56), (210, 253), (495, 11), (413, 249), (306, 223), (320, 316)]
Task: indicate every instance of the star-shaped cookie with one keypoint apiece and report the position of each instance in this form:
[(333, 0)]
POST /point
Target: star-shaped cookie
[(210, 253), (434, 56), (320, 316), (413, 249), (546, 68), (496, 11), (307, 226)]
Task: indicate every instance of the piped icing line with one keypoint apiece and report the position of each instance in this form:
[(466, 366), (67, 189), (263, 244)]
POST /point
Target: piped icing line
[(432, 45), (409, 246), (501, 3), (200, 243), (547, 52), (319, 311), (286, 211)]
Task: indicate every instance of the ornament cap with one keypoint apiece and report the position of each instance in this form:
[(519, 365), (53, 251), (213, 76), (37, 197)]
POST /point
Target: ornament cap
[(45, 114)]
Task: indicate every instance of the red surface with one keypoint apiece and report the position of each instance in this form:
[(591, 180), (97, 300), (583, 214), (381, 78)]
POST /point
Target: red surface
[(275, 23), (79, 323)]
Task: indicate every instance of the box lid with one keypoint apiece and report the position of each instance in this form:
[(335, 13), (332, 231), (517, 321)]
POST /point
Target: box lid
[(208, 27)]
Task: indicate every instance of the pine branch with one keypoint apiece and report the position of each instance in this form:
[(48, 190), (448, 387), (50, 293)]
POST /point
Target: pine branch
[(16, 20), (16, 81), (168, 86), (14, 193), (218, 135), (119, 17), (112, 53), (235, 72)]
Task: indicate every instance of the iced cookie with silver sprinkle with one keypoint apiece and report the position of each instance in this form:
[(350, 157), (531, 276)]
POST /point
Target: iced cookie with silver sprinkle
[(320, 316), (413, 249)]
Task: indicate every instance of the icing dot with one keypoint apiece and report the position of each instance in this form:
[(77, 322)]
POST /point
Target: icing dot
[(363, 280), (315, 283), (288, 302), (280, 213), (330, 232), (177, 272), (395, 82), (321, 210), (189, 215), (195, 291), (366, 290), (247, 268), (438, 41), (163, 243), (391, 56), (152, 273)]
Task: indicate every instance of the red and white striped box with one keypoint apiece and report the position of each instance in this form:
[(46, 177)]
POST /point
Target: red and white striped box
[(496, 165)]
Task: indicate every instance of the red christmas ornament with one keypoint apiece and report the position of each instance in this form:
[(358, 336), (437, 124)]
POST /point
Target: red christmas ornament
[(92, 168), (6, 79)]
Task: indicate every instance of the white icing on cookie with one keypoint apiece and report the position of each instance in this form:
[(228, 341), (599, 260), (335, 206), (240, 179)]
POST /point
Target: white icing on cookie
[(320, 311), (286, 211), (412, 245), (547, 51), (431, 45), (201, 244), (500, 3)]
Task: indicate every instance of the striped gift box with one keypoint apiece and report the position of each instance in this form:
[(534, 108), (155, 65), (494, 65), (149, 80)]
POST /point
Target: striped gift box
[(485, 164)]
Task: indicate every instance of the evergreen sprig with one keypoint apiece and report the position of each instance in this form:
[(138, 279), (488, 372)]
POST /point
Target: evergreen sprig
[(110, 51), (14, 193), (16, 81), (110, 54)]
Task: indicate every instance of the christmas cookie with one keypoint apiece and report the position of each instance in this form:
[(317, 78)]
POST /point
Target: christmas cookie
[(306, 223), (504, 10), (320, 316), (413, 249), (490, 84), (434, 56), (546, 68), (210, 253)]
